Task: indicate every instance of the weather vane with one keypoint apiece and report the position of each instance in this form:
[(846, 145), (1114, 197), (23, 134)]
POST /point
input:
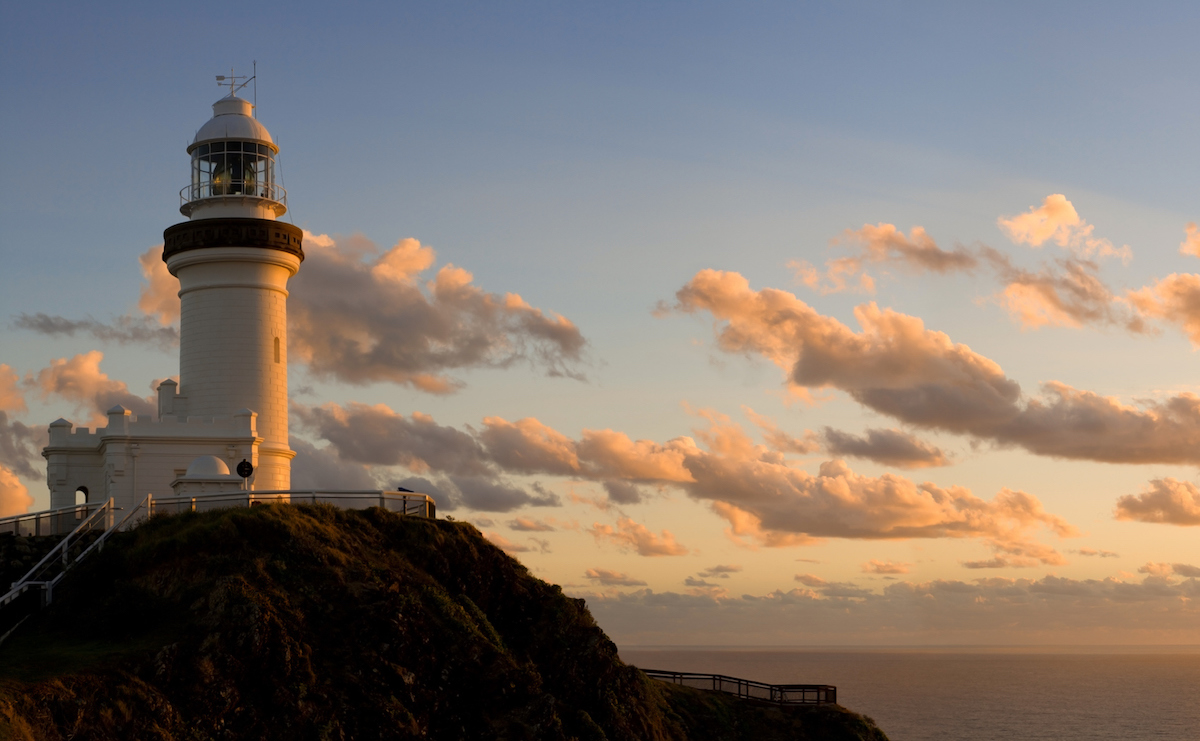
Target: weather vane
[(234, 86)]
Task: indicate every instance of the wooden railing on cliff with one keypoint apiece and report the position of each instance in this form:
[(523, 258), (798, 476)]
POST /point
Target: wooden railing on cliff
[(778, 694)]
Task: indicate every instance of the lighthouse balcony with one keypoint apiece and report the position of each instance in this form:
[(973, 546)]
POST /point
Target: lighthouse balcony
[(257, 194)]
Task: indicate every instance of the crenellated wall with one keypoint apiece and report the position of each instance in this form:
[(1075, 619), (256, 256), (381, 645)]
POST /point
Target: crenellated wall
[(135, 456)]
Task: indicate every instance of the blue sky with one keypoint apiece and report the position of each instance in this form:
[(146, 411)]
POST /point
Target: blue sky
[(594, 159)]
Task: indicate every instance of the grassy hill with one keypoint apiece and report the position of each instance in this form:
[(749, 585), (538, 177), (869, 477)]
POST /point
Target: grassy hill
[(309, 622)]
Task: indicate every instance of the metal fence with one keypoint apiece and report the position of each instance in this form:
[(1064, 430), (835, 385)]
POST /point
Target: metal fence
[(779, 694), (49, 521), (400, 502)]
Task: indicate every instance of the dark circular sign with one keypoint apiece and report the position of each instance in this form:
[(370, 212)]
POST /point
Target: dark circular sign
[(244, 469)]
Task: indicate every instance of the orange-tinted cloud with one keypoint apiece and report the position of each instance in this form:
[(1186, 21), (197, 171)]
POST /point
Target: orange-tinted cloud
[(1056, 220), (1166, 500), (530, 525), (14, 496), (1191, 242), (80, 380), (634, 536), (1174, 299), (764, 498), (897, 367), (160, 295), (613, 578), (780, 441), (875, 566), (360, 317), (12, 398), (505, 544), (1069, 294), (881, 243), (891, 447), (377, 436)]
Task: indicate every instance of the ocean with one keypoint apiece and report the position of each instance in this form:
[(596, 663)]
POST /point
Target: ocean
[(981, 694)]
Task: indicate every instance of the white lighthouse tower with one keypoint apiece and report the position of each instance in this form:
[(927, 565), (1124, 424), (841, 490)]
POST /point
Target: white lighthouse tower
[(233, 260)]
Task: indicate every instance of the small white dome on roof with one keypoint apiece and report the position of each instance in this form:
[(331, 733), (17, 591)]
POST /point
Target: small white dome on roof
[(232, 119), (208, 465)]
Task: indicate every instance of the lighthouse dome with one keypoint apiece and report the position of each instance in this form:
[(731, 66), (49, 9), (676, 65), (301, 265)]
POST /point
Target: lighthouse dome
[(207, 465), (232, 119)]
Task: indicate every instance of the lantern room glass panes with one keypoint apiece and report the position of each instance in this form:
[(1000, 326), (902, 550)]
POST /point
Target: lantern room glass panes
[(233, 168)]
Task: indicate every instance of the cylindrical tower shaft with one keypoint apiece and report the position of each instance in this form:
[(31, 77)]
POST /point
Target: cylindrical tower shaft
[(233, 261)]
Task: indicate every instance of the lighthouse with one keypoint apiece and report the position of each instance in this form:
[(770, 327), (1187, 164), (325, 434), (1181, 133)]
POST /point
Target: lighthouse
[(233, 259)]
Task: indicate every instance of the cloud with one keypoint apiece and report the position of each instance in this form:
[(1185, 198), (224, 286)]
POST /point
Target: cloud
[(692, 581), (875, 566), (1191, 242), (491, 494), (810, 580), (360, 317), (1169, 569), (158, 302), (1051, 610), (20, 447), (1166, 500), (14, 496), (316, 468), (1070, 294), (12, 398), (719, 571), (613, 578), (530, 525), (889, 447), (159, 296), (505, 544), (80, 380), (1174, 299), (1097, 552), (881, 243), (623, 492), (124, 330), (1056, 220), (377, 436), (633, 536), (759, 494), (444, 496), (764, 498), (780, 441), (897, 367)]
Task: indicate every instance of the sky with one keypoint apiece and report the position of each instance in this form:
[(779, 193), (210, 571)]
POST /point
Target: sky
[(776, 324)]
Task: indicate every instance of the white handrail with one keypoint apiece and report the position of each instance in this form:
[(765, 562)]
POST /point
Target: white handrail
[(19, 586)]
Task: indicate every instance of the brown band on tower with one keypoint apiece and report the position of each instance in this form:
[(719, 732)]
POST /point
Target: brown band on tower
[(202, 233)]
